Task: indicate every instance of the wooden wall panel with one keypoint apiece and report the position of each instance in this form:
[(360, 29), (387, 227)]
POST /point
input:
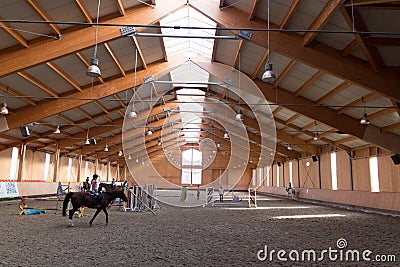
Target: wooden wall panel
[(343, 170), (389, 175), (286, 174), (308, 174), (326, 172), (361, 175), (5, 159), (74, 170), (63, 169), (33, 168), (295, 174)]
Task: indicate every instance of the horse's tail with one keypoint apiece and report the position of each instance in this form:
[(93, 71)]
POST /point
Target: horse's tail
[(65, 204)]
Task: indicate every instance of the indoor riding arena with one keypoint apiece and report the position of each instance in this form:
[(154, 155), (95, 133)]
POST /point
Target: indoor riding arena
[(200, 133)]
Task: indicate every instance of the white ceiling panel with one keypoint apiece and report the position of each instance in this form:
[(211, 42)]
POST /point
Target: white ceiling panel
[(62, 10), (50, 78), (299, 75), (277, 10), (346, 96), (305, 14)]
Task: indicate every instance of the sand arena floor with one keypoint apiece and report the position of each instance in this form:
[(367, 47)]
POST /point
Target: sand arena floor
[(192, 236)]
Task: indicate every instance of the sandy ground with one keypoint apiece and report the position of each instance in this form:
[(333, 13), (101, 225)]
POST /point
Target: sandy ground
[(210, 236)]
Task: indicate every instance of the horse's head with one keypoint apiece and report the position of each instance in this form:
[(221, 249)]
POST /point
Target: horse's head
[(122, 196)]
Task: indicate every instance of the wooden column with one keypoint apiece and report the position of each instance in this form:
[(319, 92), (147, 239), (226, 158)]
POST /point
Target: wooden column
[(56, 163), (96, 164), (78, 178), (125, 171), (21, 161), (108, 169), (118, 175)]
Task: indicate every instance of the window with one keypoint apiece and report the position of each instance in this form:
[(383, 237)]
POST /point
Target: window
[(69, 169), (191, 166), (277, 175), (334, 171), (373, 170), (14, 163), (46, 167)]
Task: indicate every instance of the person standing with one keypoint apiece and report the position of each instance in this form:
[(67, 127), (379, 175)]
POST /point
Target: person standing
[(94, 183), (221, 194)]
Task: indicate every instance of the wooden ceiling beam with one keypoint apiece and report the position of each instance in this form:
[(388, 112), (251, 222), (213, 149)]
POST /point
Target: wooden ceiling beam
[(328, 116), (382, 41), (332, 93), (308, 83), (115, 59), (253, 9), (38, 83), (43, 14), (84, 11), (13, 33), (286, 71), (390, 127), (64, 75), (140, 52), (86, 62), (120, 6), (260, 65), (87, 95), (237, 54), (366, 2), (321, 20), (371, 53), (289, 14), (357, 102), (20, 96), (82, 38), (353, 45), (321, 57)]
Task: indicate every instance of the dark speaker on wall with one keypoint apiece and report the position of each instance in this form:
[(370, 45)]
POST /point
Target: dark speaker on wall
[(24, 131), (314, 158), (396, 159)]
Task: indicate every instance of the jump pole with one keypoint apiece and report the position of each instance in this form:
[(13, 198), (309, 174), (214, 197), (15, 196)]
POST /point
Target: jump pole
[(209, 196), (144, 204), (252, 198)]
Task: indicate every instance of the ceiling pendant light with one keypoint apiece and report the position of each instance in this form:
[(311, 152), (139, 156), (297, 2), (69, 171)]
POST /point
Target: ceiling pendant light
[(149, 132), (57, 130), (364, 119), (129, 157), (4, 109), (133, 114), (159, 142), (268, 75), (106, 148), (219, 145), (226, 135), (239, 115), (94, 70), (316, 137), (120, 153), (87, 138), (289, 147)]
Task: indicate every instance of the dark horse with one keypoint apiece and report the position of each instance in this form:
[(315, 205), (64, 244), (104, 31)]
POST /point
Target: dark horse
[(79, 199)]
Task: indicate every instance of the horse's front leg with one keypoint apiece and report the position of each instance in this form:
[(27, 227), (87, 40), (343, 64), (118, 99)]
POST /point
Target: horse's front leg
[(97, 212), (71, 214), (105, 211)]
